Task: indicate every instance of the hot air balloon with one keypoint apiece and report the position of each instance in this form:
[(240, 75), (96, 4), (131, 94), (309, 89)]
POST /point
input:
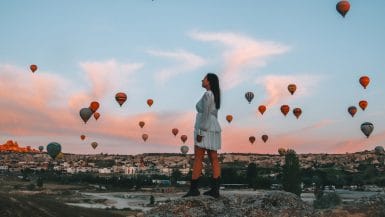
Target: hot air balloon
[(33, 68), (150, 102), (183, 138), (96, 115), (229, 118), (249, 96), (121, 98), (292, 88), (175, 131), (281, 151), (364, 81), (252, 139), (265, 138), (60, 156), (285, 109), (94, 145), (41, 148), (53, 149), (141, 124), (82, 137), (262, 109), (363, 104), (343, 7), (85, 114), (297, 112), (367, 128), (379, 150), (145, 137), (352, 110), (184, 149), (94, 106)]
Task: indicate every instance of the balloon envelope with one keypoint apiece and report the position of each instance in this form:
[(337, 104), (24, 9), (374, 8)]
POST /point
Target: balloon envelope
[(367, 128), (94, 106), (175, 131), (262, 109), (249, 96), (297, 112), (363, 104), (184, 149), (229, 118), (96, 115), (265, 138), (145, 137), (121, 98), (141, 124), (343, 7), (364, 81), (85, 114), (292, 88), (150, 102), (285, 109), (252, 139), (41, 148), (352, 110), (33, 68), (281, 151), (82, 137), (94, 145), (183, 138), (53, 149)]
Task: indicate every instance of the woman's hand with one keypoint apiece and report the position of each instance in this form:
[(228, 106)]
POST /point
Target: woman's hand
[(199, 138)]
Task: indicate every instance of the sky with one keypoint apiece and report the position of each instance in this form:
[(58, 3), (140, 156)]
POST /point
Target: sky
[(90, 50)]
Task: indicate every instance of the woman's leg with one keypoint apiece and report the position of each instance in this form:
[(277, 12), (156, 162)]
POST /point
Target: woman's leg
[(213, 155), (199, 154)]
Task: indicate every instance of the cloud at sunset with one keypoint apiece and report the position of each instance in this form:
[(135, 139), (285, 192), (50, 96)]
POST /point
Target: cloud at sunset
[(276, 86), (186, 62), (241, 52)]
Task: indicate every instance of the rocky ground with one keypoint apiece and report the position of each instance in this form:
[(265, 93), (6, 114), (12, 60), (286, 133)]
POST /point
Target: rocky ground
[(268, 204)]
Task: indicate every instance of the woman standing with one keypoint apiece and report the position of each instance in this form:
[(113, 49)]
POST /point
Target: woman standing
[(207, 136)]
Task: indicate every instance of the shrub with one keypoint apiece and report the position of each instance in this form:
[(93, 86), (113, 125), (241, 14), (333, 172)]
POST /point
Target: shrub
[(327, 200)]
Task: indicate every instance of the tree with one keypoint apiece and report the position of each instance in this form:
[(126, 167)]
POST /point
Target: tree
[(152, 200), (291, 174), (251, 175), (175, 176), (39, 182)]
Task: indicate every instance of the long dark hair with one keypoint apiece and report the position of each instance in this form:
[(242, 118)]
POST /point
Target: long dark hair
[(214, 84)]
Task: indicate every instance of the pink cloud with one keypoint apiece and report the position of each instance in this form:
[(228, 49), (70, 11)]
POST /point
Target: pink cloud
[(276, 87), (187, 62), (241, 52)]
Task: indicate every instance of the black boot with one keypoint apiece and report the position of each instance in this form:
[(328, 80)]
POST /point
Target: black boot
[(193, 189), (214, 191)]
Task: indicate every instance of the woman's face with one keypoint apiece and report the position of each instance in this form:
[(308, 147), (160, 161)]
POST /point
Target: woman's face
[(205, 83)]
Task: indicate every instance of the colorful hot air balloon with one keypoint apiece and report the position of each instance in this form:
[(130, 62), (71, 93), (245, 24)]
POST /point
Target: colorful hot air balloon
[(94, 106), (343, 7), (96, 115), (175, 131), (183, 138), (292, 88), (145, 137), (262, 109), (352, 110), (184, 149), (252, 139), (85, 114), (297, 112), (229, 118), (41, 148), (364, 81), (94, 145), (121, 98), (265, 138), (379, 150), (249, 96), (150, 102), (53, 149), (82, 137), (60, 156), (33, 68), (285, 109), (281, 151), (367, 128), (363, 104), (141, 124)]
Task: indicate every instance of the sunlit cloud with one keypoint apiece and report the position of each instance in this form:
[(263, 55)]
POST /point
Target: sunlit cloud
[(186, 62), (241, 52), (276, 86)]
